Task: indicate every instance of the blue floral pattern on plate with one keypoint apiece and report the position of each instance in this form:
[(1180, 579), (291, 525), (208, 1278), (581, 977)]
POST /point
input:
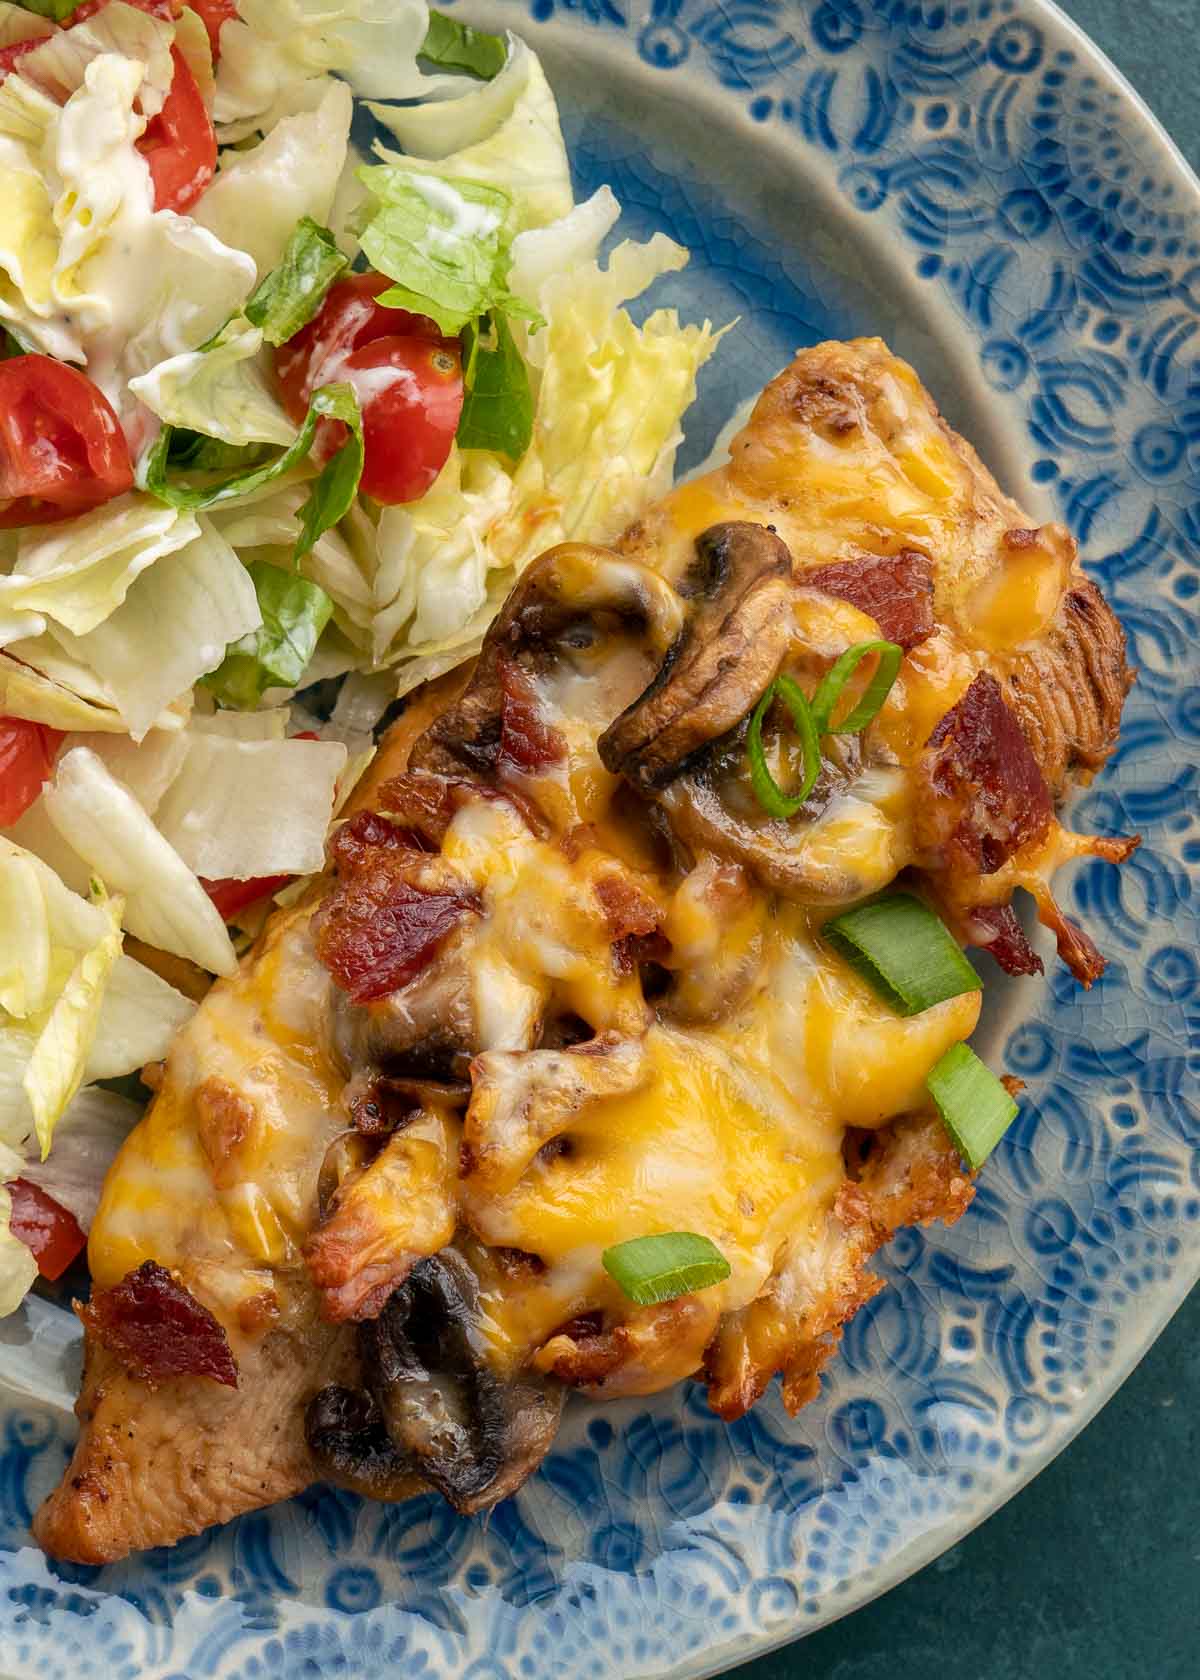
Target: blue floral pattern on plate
[(984, 186)]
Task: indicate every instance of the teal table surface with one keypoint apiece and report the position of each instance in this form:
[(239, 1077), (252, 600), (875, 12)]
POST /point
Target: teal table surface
[(1093, 1571)]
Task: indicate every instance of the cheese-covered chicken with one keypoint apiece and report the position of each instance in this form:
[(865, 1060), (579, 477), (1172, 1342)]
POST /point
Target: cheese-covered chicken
[(565, 985)]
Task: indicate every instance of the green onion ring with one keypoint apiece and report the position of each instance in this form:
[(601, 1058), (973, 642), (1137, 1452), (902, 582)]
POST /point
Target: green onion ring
[(835, 680)]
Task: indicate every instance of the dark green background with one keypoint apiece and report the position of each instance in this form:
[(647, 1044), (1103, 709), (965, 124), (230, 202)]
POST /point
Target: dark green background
[(1093, 1572)]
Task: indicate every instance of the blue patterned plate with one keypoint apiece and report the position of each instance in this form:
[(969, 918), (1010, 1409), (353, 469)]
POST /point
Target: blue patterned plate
[(973, 181)]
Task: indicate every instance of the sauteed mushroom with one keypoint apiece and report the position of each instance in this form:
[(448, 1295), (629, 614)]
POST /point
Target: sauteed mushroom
[(433, 1409), (722, 661)]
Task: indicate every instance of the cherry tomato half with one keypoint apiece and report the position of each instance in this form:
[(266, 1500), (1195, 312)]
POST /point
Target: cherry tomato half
[(347, 319), (52, 1235), (179, 144), (212, 14), (407, 377), (231, 895), (27, 753), (411, 395), (62, 450)]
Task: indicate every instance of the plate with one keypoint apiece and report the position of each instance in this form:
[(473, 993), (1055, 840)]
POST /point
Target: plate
[(976, 183)]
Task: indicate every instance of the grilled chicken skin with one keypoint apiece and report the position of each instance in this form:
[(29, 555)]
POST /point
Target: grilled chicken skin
[(564, 985)]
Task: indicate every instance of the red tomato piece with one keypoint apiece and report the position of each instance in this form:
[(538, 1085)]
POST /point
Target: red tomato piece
[(62, 450), (212, 14), (231, 895), (179, 144), (51, 1234), (10, 55), (347, 319), (27, 753), (410, 392)]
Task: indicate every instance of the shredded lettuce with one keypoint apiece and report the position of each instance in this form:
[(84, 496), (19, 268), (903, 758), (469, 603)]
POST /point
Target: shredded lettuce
[(56, 1064), (259, 195), (80, 571), (292, 294), (165, 904), (221, 813), (442, 241), (41, 682), (504, 134), (172, 629), (58, 68), (329, 498), (292, 612), (225, 390)]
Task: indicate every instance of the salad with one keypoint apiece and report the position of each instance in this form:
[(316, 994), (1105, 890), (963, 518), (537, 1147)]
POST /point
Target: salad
[(277, 413)]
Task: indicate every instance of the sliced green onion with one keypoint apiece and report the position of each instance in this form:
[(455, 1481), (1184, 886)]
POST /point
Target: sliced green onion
[(975, 1108), (767, 790), (906, 952), (650, 1269), (877, 691)]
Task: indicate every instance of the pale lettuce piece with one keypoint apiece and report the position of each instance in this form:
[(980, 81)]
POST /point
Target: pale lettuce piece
[(18, 1268), (60, 1053), (17, 24), (28, 235), (147, 768), (25, 946), (567, 245), (60, 950), (259, 195), (39, 681), (140, 1015), (58, 67), (250, 808), (92, 1129), (80, 571), (173, 626), (34, 832), (269, 724), (165, 904), (191, 37), (504, 133), (275, 50), (434, 555), (20, 627), (226, 392)]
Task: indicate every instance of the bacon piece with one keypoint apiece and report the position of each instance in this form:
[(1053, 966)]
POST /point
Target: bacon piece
[(381, 925), (1076, 948), (995, 928), (158, 1330), (528, 743), (988, 796), (896, 590)]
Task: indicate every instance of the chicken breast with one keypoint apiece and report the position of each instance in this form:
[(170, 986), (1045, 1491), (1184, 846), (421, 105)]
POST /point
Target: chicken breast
[(564, 984)]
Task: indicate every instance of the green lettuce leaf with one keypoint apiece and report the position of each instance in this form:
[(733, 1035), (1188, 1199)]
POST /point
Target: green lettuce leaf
[(459, 47), (224, 392), (56, 10), (291, 294), (276, 655), (497, 410), (332, 491), (442, 241)]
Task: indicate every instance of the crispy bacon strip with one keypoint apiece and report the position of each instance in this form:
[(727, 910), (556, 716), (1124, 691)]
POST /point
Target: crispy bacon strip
[(390, 910), (995, 928), (987, 795), (157, 1329), (896, 590), (528, 744)]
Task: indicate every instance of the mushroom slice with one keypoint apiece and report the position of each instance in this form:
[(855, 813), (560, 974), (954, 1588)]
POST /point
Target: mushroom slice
[(725, 657), (564, 598)]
